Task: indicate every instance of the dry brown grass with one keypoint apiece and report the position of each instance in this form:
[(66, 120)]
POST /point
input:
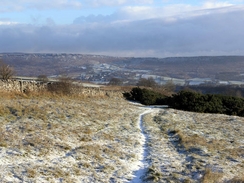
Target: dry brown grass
[(191, 142), (236, 180), (47, 135), (197, 140), (211, 177)]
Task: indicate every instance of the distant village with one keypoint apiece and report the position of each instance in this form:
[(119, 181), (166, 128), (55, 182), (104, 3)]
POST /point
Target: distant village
[(99, 69), (103, 73)]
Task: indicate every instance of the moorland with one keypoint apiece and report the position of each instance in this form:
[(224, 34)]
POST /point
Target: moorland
[(54, 137)]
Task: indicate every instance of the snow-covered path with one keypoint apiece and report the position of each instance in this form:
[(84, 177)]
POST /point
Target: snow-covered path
[(143, 164)]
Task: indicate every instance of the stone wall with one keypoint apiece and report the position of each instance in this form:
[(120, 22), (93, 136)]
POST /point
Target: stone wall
[(21, 86), (30, 86)]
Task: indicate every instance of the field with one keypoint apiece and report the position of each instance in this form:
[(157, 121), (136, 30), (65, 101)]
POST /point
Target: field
[(47, 138)]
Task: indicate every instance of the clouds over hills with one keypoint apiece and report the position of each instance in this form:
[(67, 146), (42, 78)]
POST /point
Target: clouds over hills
[(173, 30)]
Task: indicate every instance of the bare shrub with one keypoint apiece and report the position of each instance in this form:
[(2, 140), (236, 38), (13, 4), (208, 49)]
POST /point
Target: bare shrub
[(150, 82), (42, 78), (115, 81), (62, 86), (6, 72)]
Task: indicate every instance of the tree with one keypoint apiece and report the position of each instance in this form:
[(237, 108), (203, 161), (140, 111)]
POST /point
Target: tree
[(169, 86), (6, 72), (147, 82), (42, 78), (115, 81), (166, 89)]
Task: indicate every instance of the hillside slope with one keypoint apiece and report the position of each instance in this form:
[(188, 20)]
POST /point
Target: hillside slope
[(99, 139)]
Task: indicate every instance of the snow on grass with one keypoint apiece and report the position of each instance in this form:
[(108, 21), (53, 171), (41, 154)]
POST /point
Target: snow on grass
[(111, 140), (68, 140), (193, 147)]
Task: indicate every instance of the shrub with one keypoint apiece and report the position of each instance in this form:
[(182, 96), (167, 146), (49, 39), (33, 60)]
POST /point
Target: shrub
[(6, 72), (62, 86), (190, 101), (208, 103), (145, 96), (42, 78), (115, 81), (150, 82)]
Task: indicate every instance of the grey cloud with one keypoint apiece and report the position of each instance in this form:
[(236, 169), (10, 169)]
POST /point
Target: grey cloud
[(212, 34)]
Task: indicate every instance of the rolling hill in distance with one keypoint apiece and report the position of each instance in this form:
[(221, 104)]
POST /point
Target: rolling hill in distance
[(100, 69)]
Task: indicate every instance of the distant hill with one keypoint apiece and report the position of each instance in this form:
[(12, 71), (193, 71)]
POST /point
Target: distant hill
[(220, 67), (189, 67), (50, 64)]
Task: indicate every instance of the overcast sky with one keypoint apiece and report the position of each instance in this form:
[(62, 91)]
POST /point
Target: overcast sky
[(152, 28)]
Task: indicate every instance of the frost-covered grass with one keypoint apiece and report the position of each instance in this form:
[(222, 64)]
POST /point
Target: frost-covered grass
[(47, 138), (68, 139), (193, 147)]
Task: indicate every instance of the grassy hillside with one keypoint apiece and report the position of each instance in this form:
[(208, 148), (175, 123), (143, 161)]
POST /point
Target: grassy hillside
[(54, 138), (66, 139)]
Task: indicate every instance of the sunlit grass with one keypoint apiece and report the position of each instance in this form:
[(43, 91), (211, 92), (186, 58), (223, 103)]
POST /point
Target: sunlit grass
[(73, 138), (198, 147)]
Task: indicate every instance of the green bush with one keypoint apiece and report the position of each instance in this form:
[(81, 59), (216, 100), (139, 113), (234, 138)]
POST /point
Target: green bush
[(145, 96), (207, 103), (190, 101)]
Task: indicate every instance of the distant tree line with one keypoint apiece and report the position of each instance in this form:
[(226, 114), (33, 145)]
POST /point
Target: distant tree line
[(190, 101)]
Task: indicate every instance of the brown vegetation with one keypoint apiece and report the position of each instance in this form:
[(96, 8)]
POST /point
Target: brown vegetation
[(197, 147), (6, 72), (46, 137)]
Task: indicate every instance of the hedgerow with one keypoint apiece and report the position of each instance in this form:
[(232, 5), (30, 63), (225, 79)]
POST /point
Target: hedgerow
[(190, 101), (207, 103)]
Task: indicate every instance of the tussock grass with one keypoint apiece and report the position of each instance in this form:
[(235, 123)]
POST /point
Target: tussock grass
[(153, 174), (236, 180), (211, 177)]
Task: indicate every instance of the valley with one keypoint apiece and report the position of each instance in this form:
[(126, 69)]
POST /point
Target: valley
[(101, 69)]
